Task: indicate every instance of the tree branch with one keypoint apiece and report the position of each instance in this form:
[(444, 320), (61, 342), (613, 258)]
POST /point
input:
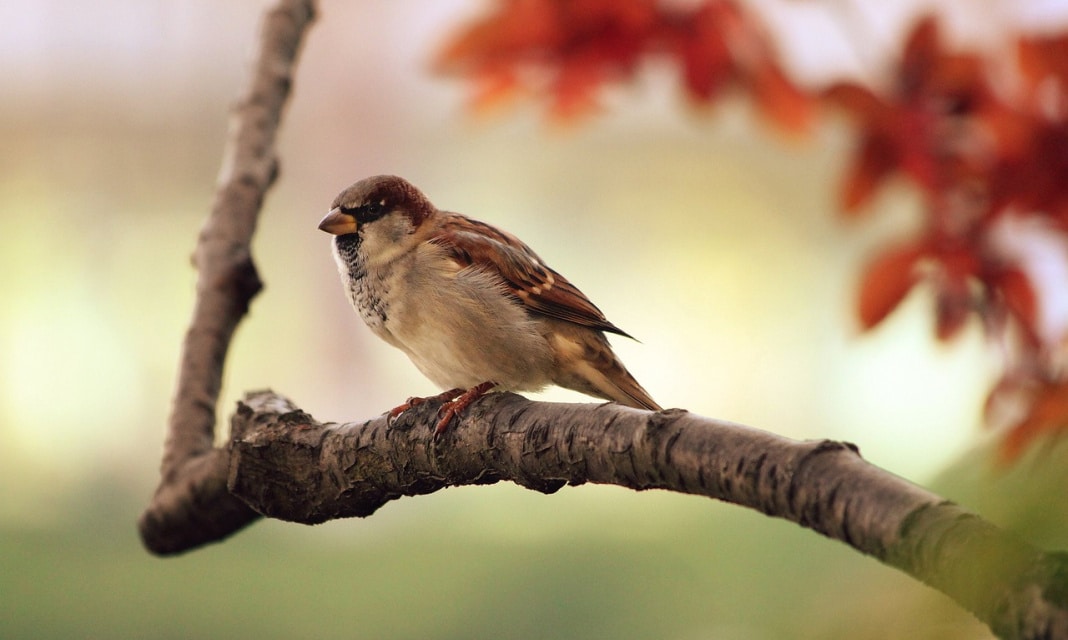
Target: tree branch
[(286, 465), (226, 284)]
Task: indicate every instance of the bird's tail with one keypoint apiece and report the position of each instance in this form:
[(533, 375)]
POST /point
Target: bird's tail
[(590, 366), (629, 392)]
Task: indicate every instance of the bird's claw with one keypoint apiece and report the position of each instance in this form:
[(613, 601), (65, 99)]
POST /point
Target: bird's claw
[(450, 409), (445, 415), (415, 401), (453, 402), (395, 412)]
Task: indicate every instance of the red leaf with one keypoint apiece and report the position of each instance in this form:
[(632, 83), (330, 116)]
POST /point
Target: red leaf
[(600, 16), (516, 27), (885, 282), (493, 89), (780, 100), (1042, 58), (959, 266), (1016, 290), (575, 90), (876, 160), (858, 100), (1048, 414), (959, 263), (706, 64), (922, 52), (953, 303)]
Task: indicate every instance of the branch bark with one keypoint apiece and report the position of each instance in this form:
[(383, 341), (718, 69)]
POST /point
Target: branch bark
[(286, 465), (226, 285)]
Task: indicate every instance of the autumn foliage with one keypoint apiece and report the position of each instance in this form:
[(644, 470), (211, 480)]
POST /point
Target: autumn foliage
[(986, 156), (568, 50)]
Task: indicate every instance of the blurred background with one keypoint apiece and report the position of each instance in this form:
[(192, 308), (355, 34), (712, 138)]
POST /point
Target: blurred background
[(712, 240)]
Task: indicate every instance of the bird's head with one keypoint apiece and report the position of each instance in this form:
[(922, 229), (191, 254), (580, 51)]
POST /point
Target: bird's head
[(382, 211)]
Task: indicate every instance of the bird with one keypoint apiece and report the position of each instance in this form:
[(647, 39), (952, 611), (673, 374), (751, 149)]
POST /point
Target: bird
[(471, 305)]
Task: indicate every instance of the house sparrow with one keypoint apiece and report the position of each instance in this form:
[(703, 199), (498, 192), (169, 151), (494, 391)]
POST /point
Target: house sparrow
[(471, 305)]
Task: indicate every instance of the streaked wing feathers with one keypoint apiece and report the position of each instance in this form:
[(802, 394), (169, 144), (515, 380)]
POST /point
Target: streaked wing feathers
[(474, 243)]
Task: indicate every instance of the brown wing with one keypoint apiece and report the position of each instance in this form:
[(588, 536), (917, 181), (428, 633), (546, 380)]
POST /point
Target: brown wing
[(474, 243)]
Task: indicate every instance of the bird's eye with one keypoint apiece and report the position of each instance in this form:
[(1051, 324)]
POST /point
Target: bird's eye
[(372, 211)]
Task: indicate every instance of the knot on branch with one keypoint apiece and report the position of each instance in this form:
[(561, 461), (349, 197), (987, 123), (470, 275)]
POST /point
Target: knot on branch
[(242, 280)]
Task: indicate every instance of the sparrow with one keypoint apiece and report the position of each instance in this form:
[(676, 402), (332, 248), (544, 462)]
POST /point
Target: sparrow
[(472, 306)]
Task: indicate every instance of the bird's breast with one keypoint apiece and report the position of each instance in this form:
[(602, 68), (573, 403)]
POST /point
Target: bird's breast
[(369, 297), (368, 289), (458, 325)]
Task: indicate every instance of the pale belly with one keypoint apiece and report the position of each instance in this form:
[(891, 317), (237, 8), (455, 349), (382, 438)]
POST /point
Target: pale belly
[(460, 331)]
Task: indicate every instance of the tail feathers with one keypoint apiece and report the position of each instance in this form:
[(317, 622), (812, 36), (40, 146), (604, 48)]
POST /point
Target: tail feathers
[(598, 372), (630, 393)]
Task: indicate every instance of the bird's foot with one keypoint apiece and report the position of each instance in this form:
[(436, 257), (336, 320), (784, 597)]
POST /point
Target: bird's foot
[(458, 403), (444, 396)]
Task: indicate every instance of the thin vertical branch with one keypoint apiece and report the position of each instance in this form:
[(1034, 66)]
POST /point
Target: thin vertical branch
[(193, 471)]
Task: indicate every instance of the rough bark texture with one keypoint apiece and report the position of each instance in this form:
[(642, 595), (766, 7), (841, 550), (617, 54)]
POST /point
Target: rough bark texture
[(287, 465), (188, 508)]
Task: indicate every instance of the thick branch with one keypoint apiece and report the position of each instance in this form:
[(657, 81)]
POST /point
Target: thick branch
[(226, 284), (286, 465)]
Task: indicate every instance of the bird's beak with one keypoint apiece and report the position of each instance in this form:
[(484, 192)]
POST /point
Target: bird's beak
[(338, 223)]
